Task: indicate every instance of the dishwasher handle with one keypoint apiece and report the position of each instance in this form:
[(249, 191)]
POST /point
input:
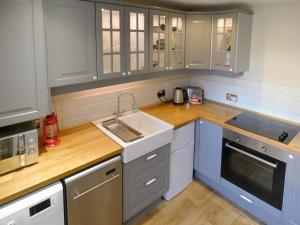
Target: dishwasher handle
[(78, 195), (91, 170)]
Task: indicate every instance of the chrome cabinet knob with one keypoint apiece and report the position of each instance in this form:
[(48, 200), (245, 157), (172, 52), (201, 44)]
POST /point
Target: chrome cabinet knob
[(291, 157), (187, 66), (129, 73), (167, 68), (95, 78), (171, 67), (230, 69), (124, 74), (263, 149), (238, 139)]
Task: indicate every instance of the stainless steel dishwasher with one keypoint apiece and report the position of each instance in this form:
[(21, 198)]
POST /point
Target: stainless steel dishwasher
[(94, 196)]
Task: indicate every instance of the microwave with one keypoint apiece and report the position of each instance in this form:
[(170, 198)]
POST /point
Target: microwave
[(18, 146)]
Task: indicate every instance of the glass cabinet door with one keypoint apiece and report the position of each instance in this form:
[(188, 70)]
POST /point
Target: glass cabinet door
[(224, 42), (110, 40), (176, 41), (158, 41), (136, 40)]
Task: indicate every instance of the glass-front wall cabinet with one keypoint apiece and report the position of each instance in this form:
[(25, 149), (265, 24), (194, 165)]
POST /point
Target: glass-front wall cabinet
[(158, 40), (110, 41), (176, 41), (224, 42), (136, 20)]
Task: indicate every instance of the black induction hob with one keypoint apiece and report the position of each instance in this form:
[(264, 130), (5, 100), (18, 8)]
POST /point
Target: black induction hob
[(264, 126)]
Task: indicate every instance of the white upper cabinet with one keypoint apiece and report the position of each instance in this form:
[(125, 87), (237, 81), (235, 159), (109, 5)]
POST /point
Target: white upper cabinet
[(136, 36), (24, 93), (231, 42), (71, 42), (198, 41), (158, 40), (176, 41), (110, 41)]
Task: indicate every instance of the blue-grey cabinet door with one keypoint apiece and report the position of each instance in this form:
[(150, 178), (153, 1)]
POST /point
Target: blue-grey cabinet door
[(136, 37), (208, 149), (71, 42), (110, 40), (291, 213), (23, 74)]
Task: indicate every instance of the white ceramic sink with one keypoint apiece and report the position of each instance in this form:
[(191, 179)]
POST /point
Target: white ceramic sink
[(157, 133)]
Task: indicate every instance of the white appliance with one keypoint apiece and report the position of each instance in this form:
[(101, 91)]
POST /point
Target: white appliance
[(42, 207), (182, 157)]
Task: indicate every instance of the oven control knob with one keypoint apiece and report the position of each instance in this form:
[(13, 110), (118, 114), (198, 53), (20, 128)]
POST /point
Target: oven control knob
[(238, 139), (263, 149)]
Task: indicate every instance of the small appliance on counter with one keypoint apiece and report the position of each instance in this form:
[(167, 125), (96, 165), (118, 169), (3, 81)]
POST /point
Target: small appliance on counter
[(18, 146), (194, 95), (178, 96), (51, 131)]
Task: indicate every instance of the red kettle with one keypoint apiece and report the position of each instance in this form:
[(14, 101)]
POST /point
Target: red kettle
[(51, 131)]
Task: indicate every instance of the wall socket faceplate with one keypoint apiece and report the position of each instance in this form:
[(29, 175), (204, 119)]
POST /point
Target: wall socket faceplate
[(231, 97)]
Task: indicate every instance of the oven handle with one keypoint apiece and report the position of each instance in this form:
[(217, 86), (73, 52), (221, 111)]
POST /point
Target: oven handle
[(274, 165)]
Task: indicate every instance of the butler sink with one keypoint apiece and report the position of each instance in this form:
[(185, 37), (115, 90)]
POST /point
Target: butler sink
[(138, 133)]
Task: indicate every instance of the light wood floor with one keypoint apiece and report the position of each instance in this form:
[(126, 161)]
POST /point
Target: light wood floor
[(197, 205)]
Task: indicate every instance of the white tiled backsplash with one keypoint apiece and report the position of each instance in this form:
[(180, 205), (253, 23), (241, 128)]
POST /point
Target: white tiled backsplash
[(80, 107), (275, 100)]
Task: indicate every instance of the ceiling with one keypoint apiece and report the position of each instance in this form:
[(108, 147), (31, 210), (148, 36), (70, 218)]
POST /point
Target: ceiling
[(198, 4)]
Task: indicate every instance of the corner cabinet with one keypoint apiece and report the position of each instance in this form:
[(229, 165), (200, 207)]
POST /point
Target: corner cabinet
[(291, 214), (198, 41), (231, 41), (208, 150), (71, 42), (24, 92), (122, 40)]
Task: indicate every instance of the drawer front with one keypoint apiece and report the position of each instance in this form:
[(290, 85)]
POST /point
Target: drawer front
[(252, 203), (142, 194), (138, 169)]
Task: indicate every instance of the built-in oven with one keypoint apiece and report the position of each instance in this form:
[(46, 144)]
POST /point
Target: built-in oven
[(254, 166)]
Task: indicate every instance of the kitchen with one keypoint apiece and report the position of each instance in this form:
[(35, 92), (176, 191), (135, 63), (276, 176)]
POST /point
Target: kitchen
[(122, 155)]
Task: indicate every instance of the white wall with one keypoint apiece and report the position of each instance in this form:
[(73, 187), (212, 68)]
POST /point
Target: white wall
[(272, 85), (84, 106)]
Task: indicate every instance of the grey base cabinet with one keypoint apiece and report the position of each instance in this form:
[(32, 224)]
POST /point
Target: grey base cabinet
[(291, 213), (145, 180), (208, 149), (23, 73)]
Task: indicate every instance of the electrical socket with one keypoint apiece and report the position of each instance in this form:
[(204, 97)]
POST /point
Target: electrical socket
[(231, 97)]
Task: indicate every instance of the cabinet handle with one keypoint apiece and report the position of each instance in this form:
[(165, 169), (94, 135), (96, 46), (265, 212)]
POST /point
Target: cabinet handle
[(124, 74), (230, 69), (171, 67), (246, 199), (95, 77), (291, 157), (129, 73), (150, 182), (187, 66), (151, 157), (167, 68)]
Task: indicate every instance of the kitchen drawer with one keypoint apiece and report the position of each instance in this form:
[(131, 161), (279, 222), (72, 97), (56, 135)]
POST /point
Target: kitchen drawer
[(138, 169), (146, 191), (252, 204)]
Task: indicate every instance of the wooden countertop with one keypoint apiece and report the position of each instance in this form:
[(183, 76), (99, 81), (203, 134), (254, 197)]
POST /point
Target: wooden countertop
[(80, 147), (215, 113), (85, 145)]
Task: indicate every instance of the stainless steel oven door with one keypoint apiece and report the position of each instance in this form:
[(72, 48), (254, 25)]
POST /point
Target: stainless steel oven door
[(257, 173)]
